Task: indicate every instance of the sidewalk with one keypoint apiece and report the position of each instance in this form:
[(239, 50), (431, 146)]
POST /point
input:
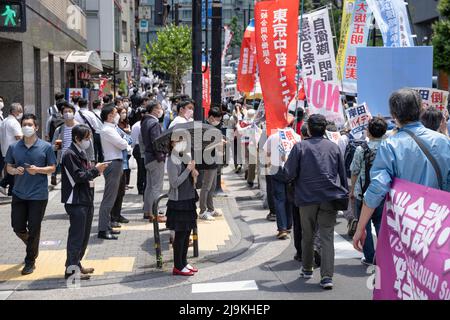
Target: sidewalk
[(131, 258)]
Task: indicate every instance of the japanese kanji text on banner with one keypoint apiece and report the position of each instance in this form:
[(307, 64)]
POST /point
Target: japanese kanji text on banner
[(247, 64), (276, 42), (357, 18), (413, 249), (319, 67), (433, 98), (392, 19)]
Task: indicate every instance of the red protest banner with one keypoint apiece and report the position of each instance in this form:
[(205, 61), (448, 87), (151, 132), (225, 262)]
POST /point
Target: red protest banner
[(206, 93), (247, 62), (276, 29)]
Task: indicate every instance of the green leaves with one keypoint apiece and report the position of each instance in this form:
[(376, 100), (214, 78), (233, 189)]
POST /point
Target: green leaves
[(171, 53), (441, 38)]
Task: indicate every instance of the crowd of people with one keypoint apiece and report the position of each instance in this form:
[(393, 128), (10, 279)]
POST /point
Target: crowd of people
[(308, 178)]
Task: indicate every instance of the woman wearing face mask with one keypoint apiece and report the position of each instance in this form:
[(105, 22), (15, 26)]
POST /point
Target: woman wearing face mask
[(124, 125), (78, 197), (181, 207), (62, 139)]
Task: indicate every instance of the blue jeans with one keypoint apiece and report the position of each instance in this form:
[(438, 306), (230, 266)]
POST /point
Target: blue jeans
[(282, 206), (368, 248)]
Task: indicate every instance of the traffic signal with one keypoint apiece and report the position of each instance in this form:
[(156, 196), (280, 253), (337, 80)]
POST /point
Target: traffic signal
[(162, 9), (13, 16)]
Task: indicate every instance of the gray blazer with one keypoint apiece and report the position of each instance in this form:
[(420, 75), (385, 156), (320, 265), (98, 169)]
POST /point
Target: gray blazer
[(180, 180)]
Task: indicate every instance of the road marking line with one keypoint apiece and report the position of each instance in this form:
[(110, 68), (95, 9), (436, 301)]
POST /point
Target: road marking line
[(5, 294), (343, 249), (225, 286)]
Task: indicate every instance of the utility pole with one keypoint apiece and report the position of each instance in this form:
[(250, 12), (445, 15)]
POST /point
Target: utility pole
[(216, 69), (197, 78)]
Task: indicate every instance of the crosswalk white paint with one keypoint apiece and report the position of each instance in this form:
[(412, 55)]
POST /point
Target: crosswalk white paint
[(343, 249), (225, 286), (5, 295)]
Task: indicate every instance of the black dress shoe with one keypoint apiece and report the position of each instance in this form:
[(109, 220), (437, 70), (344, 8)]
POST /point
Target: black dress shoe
[(123, 220), (106, 235), (115, 224), (28, 269)]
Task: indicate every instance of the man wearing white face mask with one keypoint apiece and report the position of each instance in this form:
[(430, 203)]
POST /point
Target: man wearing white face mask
[(30, 161), (62, 139), (10, 133), (185, 111), (113, 145), (154, 161)]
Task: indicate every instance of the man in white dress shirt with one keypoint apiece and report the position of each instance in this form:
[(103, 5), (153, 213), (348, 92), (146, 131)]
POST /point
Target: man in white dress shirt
[(185, 111), (113, 145)]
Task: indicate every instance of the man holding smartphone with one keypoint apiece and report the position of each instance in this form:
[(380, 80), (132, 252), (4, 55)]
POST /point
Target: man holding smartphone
[(30, 161)]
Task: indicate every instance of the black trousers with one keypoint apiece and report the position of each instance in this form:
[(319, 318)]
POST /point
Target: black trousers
[(117, 209), (141, 171), (98, 150), (180, 249), (297, 229), (26, 220), (79, 232), (127, 173), (270, 193)]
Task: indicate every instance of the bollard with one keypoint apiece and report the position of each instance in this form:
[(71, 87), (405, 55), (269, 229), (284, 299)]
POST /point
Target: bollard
[(159, 258), (195, 239)]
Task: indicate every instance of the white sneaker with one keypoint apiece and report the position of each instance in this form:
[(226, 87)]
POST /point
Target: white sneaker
[(214, 213), (206, 216)]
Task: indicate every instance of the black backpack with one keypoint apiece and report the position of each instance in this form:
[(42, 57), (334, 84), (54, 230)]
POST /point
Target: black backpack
[(56, 121), (369, 158), (350, 153)]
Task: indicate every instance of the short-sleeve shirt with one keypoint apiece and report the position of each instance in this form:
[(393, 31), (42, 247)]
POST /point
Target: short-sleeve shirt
[(41, 154), (9, 131)]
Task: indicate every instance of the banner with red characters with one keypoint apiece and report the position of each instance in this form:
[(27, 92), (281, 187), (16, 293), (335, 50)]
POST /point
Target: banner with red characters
[(247, 64)]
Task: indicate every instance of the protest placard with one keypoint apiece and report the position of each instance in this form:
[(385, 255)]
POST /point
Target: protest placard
[(355, 30), (319, 67), (358, 117), (433, 98), (333, 136), (413, 249)]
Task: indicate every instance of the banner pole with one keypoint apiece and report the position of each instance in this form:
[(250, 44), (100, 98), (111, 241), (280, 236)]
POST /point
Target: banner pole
[(299, 62)]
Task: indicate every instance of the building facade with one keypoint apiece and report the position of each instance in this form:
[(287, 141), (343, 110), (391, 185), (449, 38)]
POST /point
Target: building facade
[(31, 65)]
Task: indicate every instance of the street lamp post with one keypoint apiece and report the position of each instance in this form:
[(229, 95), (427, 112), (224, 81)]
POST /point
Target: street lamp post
[(197, 85)]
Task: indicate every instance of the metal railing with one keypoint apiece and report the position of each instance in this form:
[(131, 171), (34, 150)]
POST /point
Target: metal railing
[(157, 236)]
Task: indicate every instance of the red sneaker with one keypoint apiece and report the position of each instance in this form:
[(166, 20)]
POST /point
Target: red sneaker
[(177, 272), (193, 269)]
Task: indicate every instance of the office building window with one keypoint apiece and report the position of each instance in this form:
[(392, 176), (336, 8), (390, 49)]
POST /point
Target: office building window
[(124, 31)]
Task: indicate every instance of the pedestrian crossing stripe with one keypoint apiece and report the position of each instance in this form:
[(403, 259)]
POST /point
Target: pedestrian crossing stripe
[(225, 286), (343, 249)]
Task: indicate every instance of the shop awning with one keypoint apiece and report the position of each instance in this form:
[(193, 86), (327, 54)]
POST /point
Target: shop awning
[(90, 58)]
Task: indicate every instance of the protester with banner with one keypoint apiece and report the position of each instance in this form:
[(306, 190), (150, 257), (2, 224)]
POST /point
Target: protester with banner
[(276, 28), (402, 154)]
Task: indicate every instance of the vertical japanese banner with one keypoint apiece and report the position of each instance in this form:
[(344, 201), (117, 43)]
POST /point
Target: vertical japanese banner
[(356, 35), (247, 63), (319, 67), (276, 29), (413, 248), (392, 19), (206, 93), (228, 38)]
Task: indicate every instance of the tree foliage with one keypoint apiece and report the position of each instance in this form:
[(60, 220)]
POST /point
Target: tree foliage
[(441, 38), (237, 33), (171, 53)]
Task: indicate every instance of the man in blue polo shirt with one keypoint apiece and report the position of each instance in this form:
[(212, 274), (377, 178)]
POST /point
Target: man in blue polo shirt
[(30, 160)]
